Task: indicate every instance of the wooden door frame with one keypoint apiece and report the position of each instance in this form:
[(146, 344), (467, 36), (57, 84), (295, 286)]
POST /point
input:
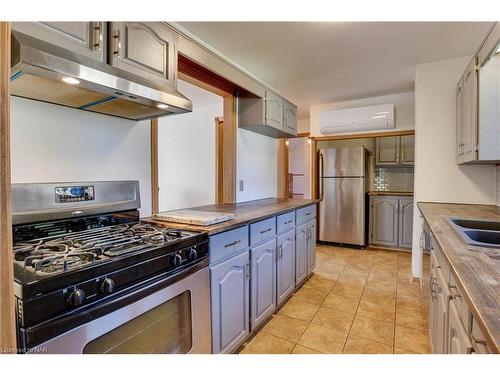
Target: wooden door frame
[(7, 311), (226, 132), (283, 183)]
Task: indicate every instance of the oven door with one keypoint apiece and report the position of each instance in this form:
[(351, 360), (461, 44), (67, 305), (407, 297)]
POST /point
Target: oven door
[(175, 319)]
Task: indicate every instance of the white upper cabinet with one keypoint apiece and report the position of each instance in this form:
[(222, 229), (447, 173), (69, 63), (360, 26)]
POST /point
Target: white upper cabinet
[(478, 105)]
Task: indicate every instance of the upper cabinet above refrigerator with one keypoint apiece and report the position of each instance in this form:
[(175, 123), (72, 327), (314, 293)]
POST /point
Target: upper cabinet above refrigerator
[(398, 150), (85, 38), (146, 49)]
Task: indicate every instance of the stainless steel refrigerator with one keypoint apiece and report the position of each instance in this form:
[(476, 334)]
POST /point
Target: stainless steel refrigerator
[(342, 193)]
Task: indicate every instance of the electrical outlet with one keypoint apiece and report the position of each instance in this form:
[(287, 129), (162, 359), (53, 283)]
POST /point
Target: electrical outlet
[(242, 186)]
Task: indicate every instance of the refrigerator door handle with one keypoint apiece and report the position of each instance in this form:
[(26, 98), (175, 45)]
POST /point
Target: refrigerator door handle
[(321, 177)]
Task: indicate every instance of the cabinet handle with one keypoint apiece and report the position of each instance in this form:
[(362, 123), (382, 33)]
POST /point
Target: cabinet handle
[(455, 295), (247, 270), (265, 230), (288, 222), (97, 35), (280, 252), (308, 214), (232, 243), (479, 341), (116, 42)]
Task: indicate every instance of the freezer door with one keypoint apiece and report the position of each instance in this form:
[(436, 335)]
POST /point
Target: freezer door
[(342, 210), (342, 162)]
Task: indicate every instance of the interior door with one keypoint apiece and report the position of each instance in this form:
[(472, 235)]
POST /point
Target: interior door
[(342, 210), (145, 49)]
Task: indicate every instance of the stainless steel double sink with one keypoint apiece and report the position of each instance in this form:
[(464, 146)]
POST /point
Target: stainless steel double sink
[(477, 232)]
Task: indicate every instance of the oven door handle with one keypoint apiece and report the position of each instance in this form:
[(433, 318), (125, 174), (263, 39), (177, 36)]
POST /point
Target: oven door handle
[(32, 336)]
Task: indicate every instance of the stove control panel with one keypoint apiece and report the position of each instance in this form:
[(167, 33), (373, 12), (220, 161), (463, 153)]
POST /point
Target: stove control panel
[(70, 194)]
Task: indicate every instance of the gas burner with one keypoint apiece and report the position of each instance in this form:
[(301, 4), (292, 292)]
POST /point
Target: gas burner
[(50, 264)]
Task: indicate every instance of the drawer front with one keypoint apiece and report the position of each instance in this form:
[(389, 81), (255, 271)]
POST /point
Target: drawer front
[(226, 244), (285, 222), (262, 230), (306, 213)]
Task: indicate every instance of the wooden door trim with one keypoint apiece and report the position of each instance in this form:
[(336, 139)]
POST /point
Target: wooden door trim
[(282, 172), (219, 165), (155, 187), (7, 311)]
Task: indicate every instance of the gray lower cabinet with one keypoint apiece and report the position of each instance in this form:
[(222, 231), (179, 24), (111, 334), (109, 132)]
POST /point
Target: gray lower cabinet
[(391, 221), (458, 340), (311, 246), (384, 221), (441, 327), (148, 49), (263, 282), (286, 265), (230, 301), (301, 256), (85, 38)]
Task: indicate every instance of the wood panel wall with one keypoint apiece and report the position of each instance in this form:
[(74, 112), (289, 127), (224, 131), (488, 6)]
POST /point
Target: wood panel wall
[(7, 321)]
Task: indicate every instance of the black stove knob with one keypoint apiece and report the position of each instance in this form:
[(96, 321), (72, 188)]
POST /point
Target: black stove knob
[(107, 286), (76, 298), (177, 260), (193, 254)]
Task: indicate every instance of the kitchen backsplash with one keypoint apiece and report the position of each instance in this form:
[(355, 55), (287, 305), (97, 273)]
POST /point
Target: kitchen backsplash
[(393, 179)]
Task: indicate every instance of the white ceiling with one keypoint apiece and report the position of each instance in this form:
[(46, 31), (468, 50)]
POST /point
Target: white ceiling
[(321, 62)]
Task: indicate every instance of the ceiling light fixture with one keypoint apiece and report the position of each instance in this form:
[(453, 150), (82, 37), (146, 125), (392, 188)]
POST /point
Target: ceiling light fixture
[(71, 80), (162, 106)]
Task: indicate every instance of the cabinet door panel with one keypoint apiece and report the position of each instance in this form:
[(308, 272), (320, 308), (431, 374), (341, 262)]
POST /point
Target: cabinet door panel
[(230, 303), (470, 113), (443, 298), (407, 149), (286, 265), (290, 118), (274, 110), (433, 303), (384, 221), (387, 150), (458, 341), (311, 247), (459, 122), (263, 282), (146, 49), (85, 38), (405, 223), (301, 253)]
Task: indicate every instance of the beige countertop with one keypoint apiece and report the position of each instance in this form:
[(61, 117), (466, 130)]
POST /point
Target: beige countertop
[(244, 213), (399, 193), (476, 272)]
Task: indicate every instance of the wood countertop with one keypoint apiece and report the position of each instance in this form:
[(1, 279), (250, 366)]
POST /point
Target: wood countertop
[(394, 193), (244, 213), (476, 272)]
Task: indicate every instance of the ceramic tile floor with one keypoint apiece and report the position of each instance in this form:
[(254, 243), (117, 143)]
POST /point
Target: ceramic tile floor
[(357, 302)]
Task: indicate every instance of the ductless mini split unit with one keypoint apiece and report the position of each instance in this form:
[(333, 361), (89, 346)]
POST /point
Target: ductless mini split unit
[(350, 120)]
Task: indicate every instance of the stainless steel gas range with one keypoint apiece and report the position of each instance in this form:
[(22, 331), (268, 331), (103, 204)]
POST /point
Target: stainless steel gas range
[(91, 278)]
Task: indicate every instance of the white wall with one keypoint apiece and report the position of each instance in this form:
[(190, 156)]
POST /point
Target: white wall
[(404, 107), (186, 156), (437, 176), (52, 143), (256, 165)]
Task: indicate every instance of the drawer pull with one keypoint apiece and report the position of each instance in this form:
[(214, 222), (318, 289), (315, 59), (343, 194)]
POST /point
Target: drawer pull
[(232, 243), (265, 230), (288, 222), (479, 341), (308, 214)]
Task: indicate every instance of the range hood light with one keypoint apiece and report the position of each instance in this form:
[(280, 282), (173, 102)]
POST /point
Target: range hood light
[(71, 80), (162, 106)]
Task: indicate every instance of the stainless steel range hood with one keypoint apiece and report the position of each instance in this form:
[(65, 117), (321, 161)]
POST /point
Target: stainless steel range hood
[(38, 69)]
